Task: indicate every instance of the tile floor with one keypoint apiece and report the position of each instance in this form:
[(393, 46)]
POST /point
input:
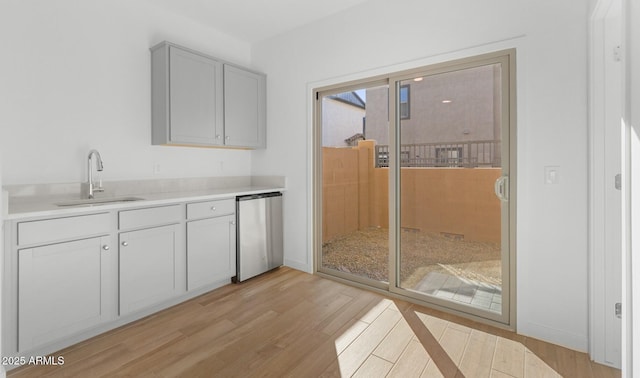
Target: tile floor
[(476, 293)]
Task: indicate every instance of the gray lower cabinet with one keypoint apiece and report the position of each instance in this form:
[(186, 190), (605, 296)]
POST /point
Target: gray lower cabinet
[(72, 277), (62, 290), (199, 100), (211, 251), (148, 265)]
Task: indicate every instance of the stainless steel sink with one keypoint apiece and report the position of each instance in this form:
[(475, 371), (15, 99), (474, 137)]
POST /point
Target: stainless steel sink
[(97, 201)]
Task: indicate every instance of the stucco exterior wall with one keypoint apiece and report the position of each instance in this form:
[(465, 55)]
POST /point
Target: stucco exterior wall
[(339, 122), (472, 114)]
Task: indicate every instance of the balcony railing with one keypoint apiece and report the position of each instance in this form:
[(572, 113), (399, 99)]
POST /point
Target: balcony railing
[(472, 154)]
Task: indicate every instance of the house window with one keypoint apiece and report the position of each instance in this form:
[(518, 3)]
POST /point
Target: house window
[(404, 102)]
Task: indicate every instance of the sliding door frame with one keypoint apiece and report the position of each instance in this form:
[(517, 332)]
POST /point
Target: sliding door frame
[(317, 174), (507, 57), (507, 60)]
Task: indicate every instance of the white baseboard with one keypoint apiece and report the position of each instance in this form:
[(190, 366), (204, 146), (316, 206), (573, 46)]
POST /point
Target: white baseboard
[(556, 336), (299, 266)]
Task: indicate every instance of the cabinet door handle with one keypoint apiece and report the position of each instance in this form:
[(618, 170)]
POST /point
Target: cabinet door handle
[(218, 136), (105, 247), (233, 223), (227, 137), (124, 244)]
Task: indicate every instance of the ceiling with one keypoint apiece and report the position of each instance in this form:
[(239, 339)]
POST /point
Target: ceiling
[(255, 20)]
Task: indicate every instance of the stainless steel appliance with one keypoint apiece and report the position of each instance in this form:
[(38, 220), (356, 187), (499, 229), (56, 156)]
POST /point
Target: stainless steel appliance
[(259, 233)]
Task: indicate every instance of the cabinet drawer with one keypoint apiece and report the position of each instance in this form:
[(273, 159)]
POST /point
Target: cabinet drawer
[(53, 230), (149, 217), (211, 208)]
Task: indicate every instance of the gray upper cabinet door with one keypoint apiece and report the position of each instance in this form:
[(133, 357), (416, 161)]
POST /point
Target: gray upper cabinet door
[(244, 108), (187, 97), (195, 99)]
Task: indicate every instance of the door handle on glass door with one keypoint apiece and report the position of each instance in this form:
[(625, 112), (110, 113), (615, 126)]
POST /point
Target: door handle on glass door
[(501, 188)]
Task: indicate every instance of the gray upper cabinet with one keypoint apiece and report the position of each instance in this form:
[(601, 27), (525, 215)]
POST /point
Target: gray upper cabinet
[(187, 98), (201, 101), (244, 107), (195, 98)]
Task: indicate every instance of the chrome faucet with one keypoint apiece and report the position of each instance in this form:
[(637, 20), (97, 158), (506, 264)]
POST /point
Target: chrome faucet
[(99, 167)]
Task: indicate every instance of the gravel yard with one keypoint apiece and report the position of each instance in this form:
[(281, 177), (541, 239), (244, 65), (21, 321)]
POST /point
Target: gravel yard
[(365, 253)]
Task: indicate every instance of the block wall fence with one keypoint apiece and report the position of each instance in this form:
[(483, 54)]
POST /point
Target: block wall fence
[(454, 201)]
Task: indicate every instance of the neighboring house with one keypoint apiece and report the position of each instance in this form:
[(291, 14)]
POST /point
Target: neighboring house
[(458, 106), (353, 140), (343, 119), (446, 111)]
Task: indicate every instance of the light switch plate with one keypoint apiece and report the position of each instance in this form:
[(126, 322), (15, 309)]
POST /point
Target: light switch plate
[(551, 175)]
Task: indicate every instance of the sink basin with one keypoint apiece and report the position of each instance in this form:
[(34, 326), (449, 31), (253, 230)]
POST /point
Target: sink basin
[(97, 201)]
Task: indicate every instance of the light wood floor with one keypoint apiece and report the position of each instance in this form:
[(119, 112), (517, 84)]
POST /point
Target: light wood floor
[(289, 323)]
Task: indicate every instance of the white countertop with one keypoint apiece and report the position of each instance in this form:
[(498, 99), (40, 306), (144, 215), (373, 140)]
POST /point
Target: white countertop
[(43, 206)]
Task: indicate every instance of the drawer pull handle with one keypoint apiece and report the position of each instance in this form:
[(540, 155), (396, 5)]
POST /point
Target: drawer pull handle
[(213, 208), (105, 247), (124, 244)]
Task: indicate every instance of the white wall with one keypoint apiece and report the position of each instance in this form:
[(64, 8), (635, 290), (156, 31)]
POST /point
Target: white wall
[(75, 75), (631, 304), (380, 36)]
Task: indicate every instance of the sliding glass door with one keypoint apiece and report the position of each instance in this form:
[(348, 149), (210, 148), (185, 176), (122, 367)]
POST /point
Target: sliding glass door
[(416, 184), (355, 216), (452, 169)]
